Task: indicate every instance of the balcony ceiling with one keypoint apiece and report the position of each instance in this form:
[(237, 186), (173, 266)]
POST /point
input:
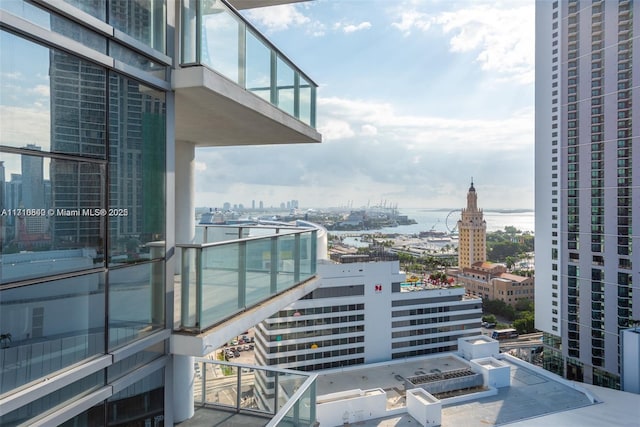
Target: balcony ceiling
[(214, 111), (251, 4)]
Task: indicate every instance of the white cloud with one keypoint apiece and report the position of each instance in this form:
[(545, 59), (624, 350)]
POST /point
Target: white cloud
[(200, 166), (278, 18), (42, 90), (368, 130), (334, 129), (411, 19), (353, 28), (503, 37), (502, 34)]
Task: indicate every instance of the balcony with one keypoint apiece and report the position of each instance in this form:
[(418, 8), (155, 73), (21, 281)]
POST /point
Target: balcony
[(232, 394), (238, 276), (234, 87)]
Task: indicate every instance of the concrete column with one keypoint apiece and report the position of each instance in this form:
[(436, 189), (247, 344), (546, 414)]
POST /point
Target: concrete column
[(185, 226), (185, 196), (183, 377)]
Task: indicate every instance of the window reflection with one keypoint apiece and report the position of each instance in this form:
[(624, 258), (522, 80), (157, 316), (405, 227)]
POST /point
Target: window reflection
[(44, 334), (144, 20), (136, 302), (141, 403), (49, 224), (50, 100), (136, 171)]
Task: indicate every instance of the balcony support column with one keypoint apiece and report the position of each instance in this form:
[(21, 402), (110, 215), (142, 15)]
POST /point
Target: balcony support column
[(185, 195), (183, 379)]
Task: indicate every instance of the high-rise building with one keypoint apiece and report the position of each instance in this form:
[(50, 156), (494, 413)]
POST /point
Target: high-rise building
[(114, 97), (587, 184), (472, 229)]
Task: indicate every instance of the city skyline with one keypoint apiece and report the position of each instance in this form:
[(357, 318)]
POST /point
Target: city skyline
[(414, 98)]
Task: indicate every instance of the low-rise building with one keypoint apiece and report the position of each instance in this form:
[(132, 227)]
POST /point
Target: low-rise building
[(491, 281)]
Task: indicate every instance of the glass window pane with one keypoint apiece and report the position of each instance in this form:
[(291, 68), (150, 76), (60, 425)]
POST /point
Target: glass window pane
[(134, 59), (144, 20), (56, 23), (140, 404), (52, 223), (95, 8), (136, 302), (45, 335), (55, 400), (51, 101), (136, 171), (131, 363)]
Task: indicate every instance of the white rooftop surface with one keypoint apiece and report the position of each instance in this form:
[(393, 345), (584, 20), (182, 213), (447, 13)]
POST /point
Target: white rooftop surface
[(535, 397)]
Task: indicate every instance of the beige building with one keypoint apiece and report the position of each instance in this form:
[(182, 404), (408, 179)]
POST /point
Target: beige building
[(472, 229), (491, 281)]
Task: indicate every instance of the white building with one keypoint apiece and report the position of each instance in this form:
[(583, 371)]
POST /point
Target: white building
[(587, 193), (365, 313)]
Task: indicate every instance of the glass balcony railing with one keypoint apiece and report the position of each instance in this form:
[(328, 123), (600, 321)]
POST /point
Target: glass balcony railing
[(216, 36), (225, 275), (286, 397)]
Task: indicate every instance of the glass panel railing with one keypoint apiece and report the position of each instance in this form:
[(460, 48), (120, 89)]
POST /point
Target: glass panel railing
[(216, 36), (286, 87), (286, 262), (223, 278), (220, 276), (258, 278), (284, 396), (258, 67), (220, 31)]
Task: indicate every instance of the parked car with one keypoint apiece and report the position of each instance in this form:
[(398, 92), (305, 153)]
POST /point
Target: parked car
[(246, 347), (236, 354)]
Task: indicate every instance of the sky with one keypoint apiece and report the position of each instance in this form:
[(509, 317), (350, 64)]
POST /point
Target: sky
[(415, 98)]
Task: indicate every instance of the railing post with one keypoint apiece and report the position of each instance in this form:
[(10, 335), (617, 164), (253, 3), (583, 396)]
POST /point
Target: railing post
[(314, 252), (242, 57), (242, 274), (296, 259), (199, 287), (275, 393), (274, 77), (184, 288), (296, 94), (203, 372), (274, 266), (239, 388)]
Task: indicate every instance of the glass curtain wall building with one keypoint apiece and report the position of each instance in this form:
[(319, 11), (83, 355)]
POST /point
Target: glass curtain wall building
[(91, 154), (587, 191)]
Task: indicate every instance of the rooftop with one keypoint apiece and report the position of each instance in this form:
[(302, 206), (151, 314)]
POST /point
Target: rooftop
[(535, 397)]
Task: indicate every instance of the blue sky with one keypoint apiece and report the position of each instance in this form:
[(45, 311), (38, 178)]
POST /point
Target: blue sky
[(414, 99)]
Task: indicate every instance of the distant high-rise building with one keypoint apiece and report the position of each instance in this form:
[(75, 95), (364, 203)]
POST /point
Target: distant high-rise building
[(587, 190), (226, 206), (33, 180), (253, 205), (472, 228), (261, 204)]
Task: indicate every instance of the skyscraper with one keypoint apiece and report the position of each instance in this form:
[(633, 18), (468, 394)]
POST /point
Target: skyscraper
[(472, 246), (587, 192)]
